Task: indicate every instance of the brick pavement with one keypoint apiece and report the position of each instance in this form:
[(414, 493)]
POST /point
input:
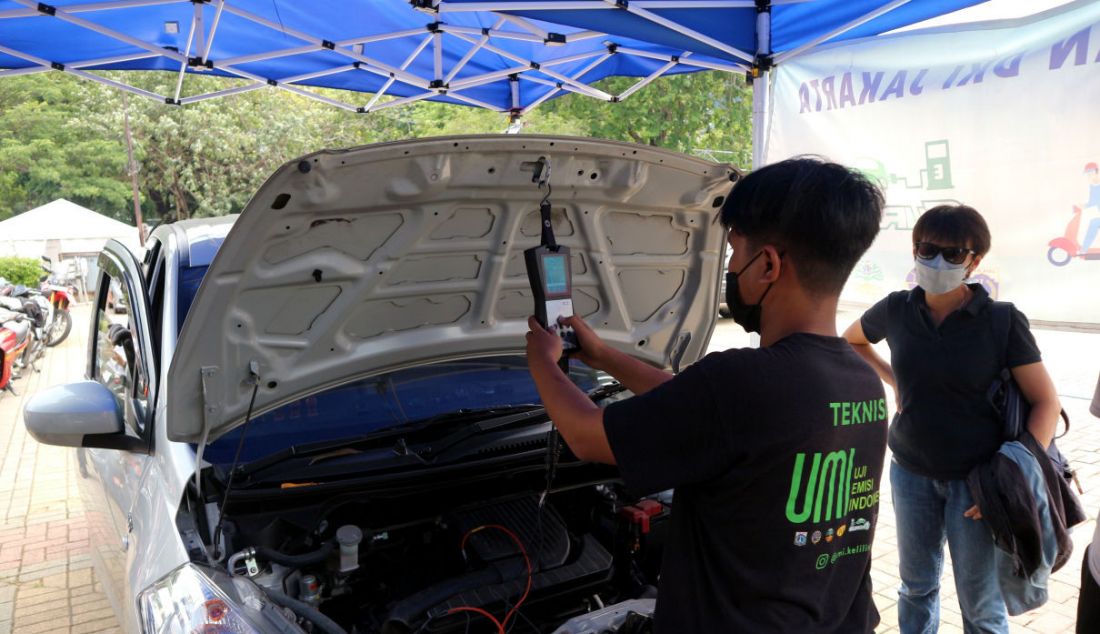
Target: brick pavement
[(47, 583)]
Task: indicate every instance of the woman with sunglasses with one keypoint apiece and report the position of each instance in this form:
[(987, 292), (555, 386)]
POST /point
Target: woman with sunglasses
[(944, 354)]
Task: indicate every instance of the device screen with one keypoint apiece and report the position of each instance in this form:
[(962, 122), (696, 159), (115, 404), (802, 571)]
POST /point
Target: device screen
[(556, 277)]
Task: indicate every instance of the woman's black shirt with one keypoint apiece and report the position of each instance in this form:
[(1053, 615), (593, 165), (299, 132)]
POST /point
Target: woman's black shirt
[(946, 425)]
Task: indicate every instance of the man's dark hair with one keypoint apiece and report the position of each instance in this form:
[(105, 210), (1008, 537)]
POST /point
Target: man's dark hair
[(953, 226), (822, 215)]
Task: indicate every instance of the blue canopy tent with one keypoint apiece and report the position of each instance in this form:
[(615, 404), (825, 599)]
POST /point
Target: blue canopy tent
[(504, 55)]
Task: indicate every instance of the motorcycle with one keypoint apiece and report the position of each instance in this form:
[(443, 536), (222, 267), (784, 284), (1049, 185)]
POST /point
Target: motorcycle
[(34, 309), (15, 338), (1066, 247), (49, 308), (59, 323)]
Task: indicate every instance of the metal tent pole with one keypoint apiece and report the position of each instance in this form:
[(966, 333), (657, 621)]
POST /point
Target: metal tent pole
[(649, 79), (761, 102), (884, 9), (389, 82), (761, 85)]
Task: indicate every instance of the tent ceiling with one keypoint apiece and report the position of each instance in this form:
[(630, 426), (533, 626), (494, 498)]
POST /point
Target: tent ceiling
[(505, 55)]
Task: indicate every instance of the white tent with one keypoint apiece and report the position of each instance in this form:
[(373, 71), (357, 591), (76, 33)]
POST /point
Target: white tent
[(70, 235), (62, 229)]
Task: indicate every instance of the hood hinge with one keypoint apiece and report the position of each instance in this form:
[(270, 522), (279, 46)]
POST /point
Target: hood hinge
[(211, 405)]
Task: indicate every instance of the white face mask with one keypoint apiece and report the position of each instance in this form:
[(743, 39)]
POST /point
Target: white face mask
[(937, 276)]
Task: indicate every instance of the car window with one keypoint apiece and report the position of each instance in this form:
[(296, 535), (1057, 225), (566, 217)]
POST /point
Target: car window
[(190, 278), (116, 362), (155, 283), (391, 399), (152, 255)]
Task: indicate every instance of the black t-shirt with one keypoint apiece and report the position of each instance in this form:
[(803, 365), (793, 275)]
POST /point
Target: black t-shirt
[(946, 426), (776, 456)]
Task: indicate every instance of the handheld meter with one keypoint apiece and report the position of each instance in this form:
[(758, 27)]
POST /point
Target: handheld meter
[(550, 275)]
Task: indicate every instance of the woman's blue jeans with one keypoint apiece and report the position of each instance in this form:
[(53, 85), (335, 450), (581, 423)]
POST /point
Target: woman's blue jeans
[(928, 513)]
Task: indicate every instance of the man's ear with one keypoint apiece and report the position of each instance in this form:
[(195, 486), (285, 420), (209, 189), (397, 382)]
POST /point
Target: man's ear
[(773, 263)]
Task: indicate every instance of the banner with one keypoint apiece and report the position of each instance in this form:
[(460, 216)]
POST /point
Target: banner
[(1004, 117)]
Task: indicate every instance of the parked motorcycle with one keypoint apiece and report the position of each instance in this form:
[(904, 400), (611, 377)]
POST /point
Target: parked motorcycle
[(15, 338), (60, 322), (51, 301), (1066, 247), (35, 311)]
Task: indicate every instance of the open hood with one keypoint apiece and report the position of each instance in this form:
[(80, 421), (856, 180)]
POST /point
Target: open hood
[(351, 263)]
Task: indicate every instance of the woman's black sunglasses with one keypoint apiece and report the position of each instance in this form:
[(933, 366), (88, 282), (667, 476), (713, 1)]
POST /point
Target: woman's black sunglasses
[(954, 255)]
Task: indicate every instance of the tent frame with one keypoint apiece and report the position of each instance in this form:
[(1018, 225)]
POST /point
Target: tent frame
[(437, 35), (200, 41)]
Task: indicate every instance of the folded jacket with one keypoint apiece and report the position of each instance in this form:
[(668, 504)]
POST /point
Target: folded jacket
[(1012, 491)]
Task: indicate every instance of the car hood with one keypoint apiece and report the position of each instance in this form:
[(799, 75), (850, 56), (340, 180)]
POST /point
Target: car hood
[(356, 262)]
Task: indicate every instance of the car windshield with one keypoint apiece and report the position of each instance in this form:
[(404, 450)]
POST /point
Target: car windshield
[(381, 401), (391, 399)]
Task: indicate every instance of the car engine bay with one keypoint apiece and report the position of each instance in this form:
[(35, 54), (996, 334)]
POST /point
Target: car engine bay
[(584, 558)]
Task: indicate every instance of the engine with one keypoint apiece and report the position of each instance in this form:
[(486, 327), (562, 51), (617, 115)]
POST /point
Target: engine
[(585, 560)]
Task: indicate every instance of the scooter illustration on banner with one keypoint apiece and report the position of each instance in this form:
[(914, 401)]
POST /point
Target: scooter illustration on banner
[(1063, 249)]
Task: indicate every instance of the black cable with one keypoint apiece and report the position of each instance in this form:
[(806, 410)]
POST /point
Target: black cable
[(305, 610), (233, 470)]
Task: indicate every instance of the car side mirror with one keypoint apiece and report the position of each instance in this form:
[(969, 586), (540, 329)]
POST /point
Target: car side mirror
[(83, 414)]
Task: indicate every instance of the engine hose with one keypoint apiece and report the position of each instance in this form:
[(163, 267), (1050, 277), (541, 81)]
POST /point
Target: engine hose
[(413, 607), (314, 557), (305, 610)]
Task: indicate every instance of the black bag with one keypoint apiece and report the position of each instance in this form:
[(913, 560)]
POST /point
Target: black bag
[(1005, 396)]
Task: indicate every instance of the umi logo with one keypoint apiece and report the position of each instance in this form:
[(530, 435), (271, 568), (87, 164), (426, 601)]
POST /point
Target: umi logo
[(824, 493)]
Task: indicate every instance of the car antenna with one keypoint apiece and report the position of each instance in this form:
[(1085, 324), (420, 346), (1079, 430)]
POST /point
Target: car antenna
[(254, 378)]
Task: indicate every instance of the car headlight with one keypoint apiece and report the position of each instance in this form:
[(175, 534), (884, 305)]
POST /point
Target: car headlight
[(197, 600)]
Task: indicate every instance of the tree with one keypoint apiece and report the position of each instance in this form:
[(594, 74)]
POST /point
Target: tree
[(688, 112), (63, 136), (46, 154)]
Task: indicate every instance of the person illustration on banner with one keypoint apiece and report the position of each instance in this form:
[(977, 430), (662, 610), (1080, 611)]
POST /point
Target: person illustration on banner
[(1092, 173)]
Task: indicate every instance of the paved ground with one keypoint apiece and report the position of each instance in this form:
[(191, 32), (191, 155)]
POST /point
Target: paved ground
[(46, 579), (47, 584)]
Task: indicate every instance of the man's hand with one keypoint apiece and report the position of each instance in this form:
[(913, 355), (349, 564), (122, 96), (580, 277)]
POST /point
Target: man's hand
[(593, 352), (541, 343), (973, 513), (577, 417)]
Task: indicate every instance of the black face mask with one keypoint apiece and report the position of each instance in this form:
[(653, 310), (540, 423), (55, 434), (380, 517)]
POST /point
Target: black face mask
[(745, 315)]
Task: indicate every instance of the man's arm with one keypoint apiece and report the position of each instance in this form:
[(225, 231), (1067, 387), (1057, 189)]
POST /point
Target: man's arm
[(579, 420), (635, 375)]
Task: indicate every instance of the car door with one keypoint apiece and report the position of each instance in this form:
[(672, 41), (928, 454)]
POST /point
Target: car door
[(120, 358)]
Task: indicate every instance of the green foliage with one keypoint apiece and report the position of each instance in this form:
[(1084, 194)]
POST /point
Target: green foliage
[(46, 154), (25, 271), (690, 113), (63, 137)]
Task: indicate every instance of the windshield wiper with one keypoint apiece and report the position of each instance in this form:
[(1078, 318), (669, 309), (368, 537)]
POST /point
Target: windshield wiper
[(435, 451), (485, 419), (399, 432)]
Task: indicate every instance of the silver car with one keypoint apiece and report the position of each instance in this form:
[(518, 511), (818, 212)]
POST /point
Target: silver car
[(317, 416)]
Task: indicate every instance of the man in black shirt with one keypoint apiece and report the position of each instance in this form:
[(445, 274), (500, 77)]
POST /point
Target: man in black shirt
[(775, 453)]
